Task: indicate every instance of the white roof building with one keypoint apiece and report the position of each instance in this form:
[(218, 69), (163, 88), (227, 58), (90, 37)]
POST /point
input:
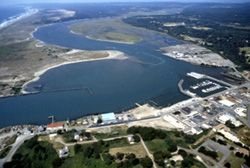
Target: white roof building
[(64, 152), (226, 103), (177, 158), (224, 118), (195, 75), (240, 111)]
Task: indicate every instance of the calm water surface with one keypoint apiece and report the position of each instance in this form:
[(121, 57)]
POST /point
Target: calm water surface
[(116, 84)]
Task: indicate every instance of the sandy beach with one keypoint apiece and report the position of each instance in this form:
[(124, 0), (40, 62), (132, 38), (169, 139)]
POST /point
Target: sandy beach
[(112, 55), (10, 22)]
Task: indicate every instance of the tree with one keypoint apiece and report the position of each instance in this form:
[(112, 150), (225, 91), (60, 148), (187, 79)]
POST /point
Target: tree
[(99, 121), (222, 142), (59, 131), (108, 159), (57, 162), (136, 138), (78, 148), (88, 152), (227, 165), (172, 163), (172, 148), (146, 162), (182, 153), (119, 155), (238, 154), (133, 130)]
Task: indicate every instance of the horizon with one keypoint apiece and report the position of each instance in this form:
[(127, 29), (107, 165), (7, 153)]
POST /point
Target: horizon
[(17, 2)]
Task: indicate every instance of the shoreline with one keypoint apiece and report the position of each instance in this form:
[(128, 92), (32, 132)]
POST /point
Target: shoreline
[(22, 16), (112, 41), (113, 54)]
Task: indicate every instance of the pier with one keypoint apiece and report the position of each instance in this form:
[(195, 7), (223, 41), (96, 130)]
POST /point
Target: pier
[(217, 80), (53, 91), (186, 92)]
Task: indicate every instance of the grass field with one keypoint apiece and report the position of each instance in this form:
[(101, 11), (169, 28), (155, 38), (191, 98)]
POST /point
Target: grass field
[(156, 145), (235, 161), (138, 150), (56, 145), (247, 49)]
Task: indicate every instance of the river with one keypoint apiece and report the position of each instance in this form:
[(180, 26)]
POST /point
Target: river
[(117, 84)]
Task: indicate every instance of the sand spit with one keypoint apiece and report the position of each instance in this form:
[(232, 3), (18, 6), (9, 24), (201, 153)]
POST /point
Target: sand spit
[(112, 55)]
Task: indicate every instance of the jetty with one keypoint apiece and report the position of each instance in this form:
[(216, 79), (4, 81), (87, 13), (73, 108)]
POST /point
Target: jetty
[(52, 91), (186, 92)]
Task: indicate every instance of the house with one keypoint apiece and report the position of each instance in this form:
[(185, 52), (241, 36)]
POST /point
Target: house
[(196, 130), (226, 132), (230, 135), (224, 118), (76, 135), (131, 139), (220, 127), (52, 136), (27, 131), (54, 127), (64, 152), (240, 111), (177, 158)]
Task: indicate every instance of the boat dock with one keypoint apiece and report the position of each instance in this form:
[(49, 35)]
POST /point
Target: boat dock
[(186, 92)]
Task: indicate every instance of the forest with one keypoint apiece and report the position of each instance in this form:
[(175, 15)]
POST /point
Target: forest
[(222, 28)]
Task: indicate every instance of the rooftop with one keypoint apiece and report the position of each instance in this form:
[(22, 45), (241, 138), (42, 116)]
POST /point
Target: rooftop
[(53, 125), (108, 117)]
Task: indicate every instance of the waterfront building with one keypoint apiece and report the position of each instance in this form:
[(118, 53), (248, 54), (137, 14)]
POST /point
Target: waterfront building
[(54, 127)]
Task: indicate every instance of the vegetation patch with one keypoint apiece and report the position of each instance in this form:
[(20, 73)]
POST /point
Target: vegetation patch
[(5, 151), (108, 30), (137, 149), (34, 153), (219, 35)]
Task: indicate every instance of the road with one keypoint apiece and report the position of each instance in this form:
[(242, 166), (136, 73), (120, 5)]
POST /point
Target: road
[(148, 153), (92, 141), (221, 148), (15, 146), (202, 156)]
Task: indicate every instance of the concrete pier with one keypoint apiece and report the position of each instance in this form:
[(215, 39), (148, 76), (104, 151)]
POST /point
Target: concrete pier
[(186, 92)]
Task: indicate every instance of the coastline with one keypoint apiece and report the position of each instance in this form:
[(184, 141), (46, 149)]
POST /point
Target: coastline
[(112, 55), (24, 15)]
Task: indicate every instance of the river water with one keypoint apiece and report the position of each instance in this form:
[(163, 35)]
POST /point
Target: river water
[(117, 84)]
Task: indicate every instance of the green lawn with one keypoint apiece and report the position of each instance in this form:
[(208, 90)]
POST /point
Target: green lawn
[(156, 145), (235, 161)]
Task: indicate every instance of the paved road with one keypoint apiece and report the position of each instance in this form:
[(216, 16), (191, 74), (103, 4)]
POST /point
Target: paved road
[(15, 146), (221, 148), (148, 153), (204, 157)]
